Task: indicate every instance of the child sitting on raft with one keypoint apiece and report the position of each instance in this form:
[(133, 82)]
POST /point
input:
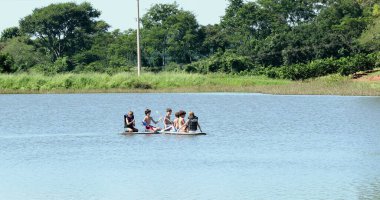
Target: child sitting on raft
[(147, 122), (175, 121), (192, 123), (182, 126), (129, 123), (167, 122)]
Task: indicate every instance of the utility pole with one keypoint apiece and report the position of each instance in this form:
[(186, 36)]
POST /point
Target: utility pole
[(138, 40)]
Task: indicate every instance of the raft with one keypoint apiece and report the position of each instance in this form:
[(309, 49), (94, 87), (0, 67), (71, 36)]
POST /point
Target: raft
[(163, 133)]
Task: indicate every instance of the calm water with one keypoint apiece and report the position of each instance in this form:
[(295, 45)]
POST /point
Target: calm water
[(258, 147)]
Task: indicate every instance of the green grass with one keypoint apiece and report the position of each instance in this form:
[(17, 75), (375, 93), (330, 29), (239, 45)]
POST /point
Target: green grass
[(375, 73), (129, 82), (374, 84), (327, 85), (182, 82)]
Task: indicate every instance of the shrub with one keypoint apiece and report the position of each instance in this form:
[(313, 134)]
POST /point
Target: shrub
[(356, 63), (85, 58), (97, 66), (191, 68), (226, 63), (61, 65), (345, 66), (172, 67), (375, 57), (6, 63)]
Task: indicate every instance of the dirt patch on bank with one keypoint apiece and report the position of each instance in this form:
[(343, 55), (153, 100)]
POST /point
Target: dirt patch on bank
[(367, 77)]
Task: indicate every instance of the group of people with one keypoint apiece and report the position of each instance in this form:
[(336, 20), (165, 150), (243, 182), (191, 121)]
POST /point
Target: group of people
[(179, 124)]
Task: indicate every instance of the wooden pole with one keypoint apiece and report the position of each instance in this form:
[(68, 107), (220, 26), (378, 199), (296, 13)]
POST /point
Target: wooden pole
[(138, 40)]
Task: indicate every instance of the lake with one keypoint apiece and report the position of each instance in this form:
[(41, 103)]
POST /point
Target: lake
[(69, 146)]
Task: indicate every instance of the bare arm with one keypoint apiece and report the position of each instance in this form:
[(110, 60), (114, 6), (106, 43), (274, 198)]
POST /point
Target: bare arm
[(155, 122), (128, 123), (167, 121)]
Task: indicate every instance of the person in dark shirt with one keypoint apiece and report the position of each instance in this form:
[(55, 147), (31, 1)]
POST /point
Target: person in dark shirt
[(129, 122), (193, 123)]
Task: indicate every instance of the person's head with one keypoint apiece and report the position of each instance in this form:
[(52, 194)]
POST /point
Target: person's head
[(169, 110), (130, 113), (191, 114), (182, 113), (147, 112), (176, 114)]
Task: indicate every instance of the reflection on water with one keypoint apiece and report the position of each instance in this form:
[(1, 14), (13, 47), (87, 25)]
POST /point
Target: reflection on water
[(258, 147), (370, 190)]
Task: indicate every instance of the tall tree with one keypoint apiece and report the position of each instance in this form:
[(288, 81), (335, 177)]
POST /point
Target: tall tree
[(249, 24), (214, 39), (170, 35), (292, 12), (62, 29)]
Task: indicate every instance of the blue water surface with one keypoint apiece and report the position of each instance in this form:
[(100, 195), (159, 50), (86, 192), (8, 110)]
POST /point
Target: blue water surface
[(69, 146)]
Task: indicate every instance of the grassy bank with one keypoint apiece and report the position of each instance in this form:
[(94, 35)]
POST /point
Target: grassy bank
[(328, 85), (181, 82), (127, 82)]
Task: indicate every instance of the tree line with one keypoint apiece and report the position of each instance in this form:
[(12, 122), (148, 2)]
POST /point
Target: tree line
[(268, 37)]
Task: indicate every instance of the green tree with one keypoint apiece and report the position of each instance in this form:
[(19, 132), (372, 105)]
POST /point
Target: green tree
[(110, 52), (292, 12), (62, 29), (170, 35), (122, 52), (233, 7), (24, 55), (370, 38), (214, 39), (10, 33)]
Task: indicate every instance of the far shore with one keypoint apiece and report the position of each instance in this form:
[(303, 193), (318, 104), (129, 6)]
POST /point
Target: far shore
[(185, 83)]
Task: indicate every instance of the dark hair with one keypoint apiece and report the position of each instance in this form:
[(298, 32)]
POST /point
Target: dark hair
[(176, 114), (168, 110), (181, 112), (147, 111)]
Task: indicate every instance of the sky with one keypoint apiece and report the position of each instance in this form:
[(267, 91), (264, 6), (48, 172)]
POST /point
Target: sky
[(120, 14)]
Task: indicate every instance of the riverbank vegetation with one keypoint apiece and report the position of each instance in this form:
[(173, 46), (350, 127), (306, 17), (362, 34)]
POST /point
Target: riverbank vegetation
[(183, 82), (286, 39), (126, 82)]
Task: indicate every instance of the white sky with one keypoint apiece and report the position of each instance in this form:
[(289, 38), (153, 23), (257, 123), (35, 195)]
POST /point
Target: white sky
[(120, 14)]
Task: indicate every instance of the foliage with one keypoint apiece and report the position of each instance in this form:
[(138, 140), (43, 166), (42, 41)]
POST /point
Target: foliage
[(24, 55), (61, 29), (173, 67), (6, 63), (356, 64), (10, 33), (214, 40), (225, 63), (170, 35), (370, 38), (128, 81), (290, 39), (317, 68)]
